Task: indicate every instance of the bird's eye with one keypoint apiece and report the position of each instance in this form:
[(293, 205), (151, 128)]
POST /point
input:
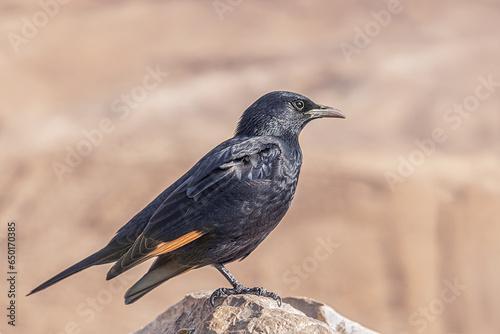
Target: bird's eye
[(298, 104)]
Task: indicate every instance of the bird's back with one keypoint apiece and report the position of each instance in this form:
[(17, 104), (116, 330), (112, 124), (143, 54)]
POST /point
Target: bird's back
[(259, 191)]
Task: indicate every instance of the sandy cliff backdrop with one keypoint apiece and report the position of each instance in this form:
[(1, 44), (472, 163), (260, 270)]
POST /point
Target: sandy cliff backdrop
[(396, 220)]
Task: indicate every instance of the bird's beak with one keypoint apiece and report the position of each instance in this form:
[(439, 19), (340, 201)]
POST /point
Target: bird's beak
[(325, 111)]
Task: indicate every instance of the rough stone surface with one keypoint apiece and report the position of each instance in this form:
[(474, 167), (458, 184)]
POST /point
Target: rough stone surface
[(326, 314), (250, 314)]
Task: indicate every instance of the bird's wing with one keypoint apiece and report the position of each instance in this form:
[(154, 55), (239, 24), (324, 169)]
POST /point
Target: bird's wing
[(128, 233), (176, 222), (121, 242)]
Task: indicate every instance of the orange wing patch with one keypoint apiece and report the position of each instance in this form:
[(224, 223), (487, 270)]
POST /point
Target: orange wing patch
[(169, 246)]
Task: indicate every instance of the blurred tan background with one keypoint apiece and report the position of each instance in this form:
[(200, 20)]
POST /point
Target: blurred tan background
[(395, 223)]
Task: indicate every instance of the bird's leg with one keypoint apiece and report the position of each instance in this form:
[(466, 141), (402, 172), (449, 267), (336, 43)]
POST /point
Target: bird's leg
[(238, 288)]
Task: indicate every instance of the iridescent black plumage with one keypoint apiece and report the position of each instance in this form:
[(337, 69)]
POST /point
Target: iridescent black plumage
[(223, 207)]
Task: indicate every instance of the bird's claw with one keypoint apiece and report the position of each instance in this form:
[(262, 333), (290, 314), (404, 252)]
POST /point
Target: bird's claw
[(242, 290), (263, 292), (221, 292)]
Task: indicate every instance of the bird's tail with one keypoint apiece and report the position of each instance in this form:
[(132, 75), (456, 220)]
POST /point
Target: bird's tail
[(94, 259), (163, 269)]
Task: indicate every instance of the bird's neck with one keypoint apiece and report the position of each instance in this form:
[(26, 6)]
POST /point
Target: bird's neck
[(292, 148)]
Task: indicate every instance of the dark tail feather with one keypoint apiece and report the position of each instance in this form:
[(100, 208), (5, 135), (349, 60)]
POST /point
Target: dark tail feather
[(163, 269), (94, 259), (135, 255)]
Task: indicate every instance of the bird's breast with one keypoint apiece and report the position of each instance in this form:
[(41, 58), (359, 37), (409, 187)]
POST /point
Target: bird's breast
[(266, 200)]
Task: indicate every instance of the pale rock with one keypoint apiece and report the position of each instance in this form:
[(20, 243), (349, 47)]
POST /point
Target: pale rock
[(241, 314)]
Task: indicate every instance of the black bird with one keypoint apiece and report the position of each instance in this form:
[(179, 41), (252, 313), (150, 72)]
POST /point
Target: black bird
[(222, 208)]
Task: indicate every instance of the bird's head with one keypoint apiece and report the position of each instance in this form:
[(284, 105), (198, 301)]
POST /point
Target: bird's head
[(282, 114)]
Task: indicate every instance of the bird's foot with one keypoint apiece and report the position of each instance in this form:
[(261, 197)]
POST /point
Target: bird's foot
[(243, 290)]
